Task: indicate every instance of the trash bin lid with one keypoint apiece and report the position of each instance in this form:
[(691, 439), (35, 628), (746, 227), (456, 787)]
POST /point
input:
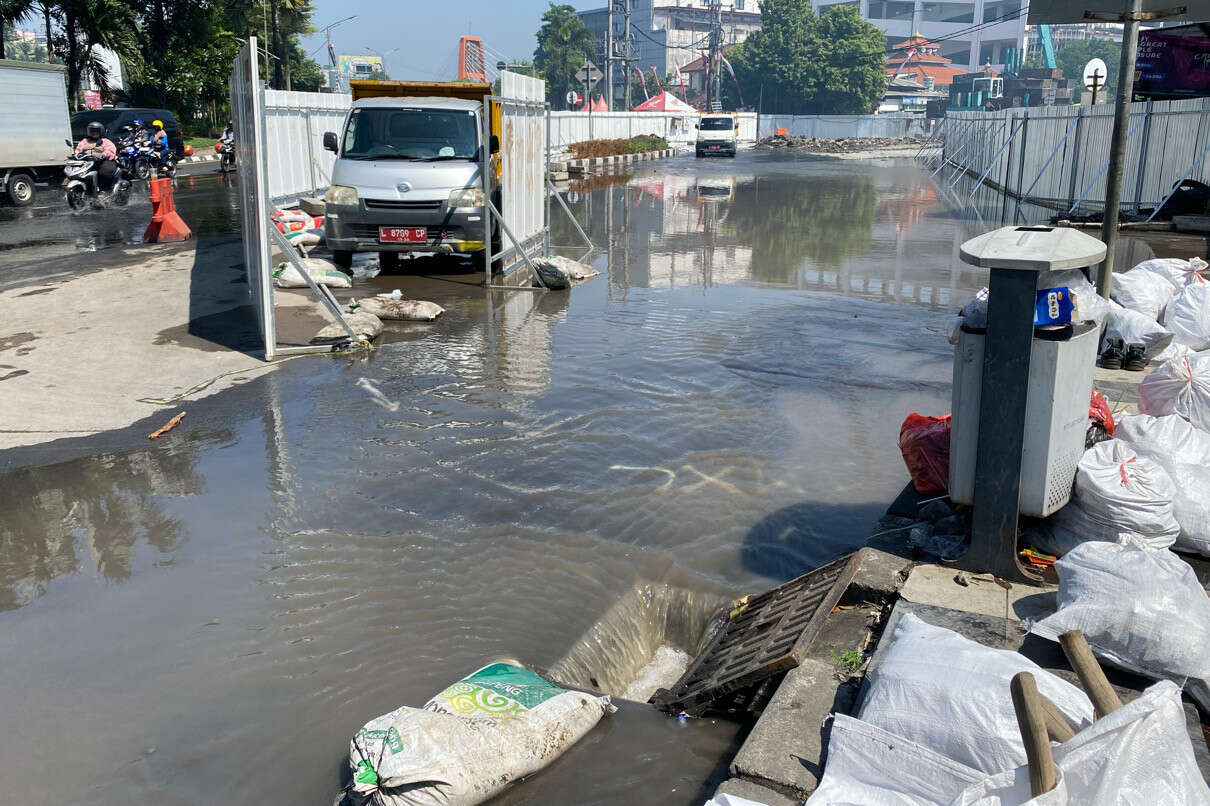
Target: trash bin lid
[(1033, 249)]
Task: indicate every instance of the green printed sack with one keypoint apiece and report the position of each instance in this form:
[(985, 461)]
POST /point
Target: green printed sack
[(471, 741)]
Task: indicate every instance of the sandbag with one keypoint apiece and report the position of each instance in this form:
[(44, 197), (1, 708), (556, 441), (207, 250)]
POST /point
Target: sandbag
[(365, 325), (1133, 327), (870, 766), (1180, 386), (1139, 755), (1144, 611), (1188, 316), (924, 443), (950, 694), (551, 276), (1184, 453), (471, 741), (1121, 497), (1179, 273), (1144, 291), (321, 271), (408, 310), (575, 270)]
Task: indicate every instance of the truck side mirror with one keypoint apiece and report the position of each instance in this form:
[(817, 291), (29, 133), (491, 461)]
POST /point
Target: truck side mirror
[(69, 143), (330, 141), (493, 144), (697, 125)]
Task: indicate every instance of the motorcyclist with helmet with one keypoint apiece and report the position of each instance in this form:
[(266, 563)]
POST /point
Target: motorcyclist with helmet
[(160, 138), (96, 144)]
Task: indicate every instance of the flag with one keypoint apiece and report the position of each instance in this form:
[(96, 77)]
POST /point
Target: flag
[(642, 82), (656, 77)]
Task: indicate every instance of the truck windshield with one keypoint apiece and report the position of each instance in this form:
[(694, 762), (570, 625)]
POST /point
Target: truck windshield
[(717, 124), (415, 134)]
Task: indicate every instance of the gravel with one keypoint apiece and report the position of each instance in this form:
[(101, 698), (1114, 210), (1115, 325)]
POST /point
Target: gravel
[(841, 145)]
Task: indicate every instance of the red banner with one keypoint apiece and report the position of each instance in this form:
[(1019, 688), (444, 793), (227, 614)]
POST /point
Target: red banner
[(92, 99)]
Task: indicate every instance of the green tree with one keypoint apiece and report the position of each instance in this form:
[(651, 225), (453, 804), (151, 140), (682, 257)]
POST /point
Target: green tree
[(804, 63), (22, 50), (85, 26), (11, 12), (562, 42), (1072, 56)]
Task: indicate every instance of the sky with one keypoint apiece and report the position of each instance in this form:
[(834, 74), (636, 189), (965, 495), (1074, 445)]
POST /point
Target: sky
[(426, 32)]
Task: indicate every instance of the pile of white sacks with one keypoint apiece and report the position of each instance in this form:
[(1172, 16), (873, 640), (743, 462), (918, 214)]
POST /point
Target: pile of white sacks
[(1163, 304)]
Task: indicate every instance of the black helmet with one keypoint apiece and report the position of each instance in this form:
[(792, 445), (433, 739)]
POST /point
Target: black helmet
[(231, 124), (95, 131)]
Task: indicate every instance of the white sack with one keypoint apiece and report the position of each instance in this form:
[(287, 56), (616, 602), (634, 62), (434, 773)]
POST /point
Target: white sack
[(1172, 351), (1144, 291), (410, 310), (1139, 755), (950, 694), (1179, 273), (321, 271), (1188, 316), (1181, 386), (1127, 498), (366, 325), (1141, 610), (471, 741), (576, 270), (869, 766), (1133, 327), (1184, 453)]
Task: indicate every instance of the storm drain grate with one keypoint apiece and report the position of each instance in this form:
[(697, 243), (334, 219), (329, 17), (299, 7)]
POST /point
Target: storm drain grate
[(767, 635)]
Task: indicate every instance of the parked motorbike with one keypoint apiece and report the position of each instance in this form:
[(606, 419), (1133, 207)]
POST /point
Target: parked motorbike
[(82, 182)]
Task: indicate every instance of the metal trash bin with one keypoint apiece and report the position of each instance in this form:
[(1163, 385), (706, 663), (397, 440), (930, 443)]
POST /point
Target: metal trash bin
[(1056, 416)]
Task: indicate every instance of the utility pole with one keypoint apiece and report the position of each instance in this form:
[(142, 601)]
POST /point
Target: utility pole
[(618, 52), (714, 99), (629, 53), (609, 56)]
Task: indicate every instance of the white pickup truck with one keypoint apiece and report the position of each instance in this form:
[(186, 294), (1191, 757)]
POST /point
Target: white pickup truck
[(717, 135)]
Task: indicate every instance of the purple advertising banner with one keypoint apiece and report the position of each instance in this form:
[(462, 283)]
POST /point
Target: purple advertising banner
[(1171, 64)]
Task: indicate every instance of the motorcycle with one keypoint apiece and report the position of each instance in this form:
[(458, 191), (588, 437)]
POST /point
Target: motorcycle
[(226, 151), (134, 155), (81, 181)]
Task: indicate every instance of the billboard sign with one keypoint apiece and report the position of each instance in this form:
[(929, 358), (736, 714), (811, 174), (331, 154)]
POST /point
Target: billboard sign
[(92, 99), (1173, 64), (1050, 12), (359, 66)]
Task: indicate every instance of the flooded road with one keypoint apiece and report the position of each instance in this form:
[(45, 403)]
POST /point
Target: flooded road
[(209, 620)]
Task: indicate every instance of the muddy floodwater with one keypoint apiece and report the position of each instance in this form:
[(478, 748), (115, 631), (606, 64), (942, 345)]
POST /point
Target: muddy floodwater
[(211, 618)]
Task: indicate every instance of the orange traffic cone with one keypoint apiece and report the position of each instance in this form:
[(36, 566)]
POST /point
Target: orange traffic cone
[(166, 223)]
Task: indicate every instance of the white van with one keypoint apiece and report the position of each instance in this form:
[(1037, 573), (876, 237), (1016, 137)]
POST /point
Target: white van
[(717, 135)]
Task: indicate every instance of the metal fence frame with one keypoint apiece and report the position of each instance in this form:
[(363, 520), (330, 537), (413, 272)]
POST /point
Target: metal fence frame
[(1061, 152)]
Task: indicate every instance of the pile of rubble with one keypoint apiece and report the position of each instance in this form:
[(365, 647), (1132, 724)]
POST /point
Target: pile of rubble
[(840, 145)]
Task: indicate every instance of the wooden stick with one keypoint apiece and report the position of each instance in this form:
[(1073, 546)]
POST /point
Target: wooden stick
[(168, 426), (1092, 677), (1057, 727), (1030, 719)]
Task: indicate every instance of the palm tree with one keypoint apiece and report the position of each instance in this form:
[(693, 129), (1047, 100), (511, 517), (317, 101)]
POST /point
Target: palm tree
[(11, 12), (91, 24)]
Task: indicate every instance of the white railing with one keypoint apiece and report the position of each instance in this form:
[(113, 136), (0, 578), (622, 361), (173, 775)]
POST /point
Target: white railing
[(295, 123), (523, 132), (678, 129)]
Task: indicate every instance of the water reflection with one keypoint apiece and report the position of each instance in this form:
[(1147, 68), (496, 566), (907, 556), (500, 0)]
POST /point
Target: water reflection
[(89, 515), (858, 229)]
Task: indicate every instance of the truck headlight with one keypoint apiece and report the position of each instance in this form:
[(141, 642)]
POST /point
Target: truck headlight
[(340, 194), (466, 197)]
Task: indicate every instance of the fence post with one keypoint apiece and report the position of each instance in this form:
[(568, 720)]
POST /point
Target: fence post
[(1021, 162), (1143, 148), (1008, 167), (310, 151), (1075, 157)]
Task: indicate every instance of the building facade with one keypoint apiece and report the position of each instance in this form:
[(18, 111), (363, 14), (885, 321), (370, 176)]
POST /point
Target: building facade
[(670, 34), (968, 34)]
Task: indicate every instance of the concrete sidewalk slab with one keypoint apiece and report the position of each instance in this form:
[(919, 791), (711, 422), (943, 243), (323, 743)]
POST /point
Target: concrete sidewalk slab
[(78, 352)]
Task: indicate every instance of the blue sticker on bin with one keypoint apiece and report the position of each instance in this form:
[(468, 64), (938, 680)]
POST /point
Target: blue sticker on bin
[(1053, 306)]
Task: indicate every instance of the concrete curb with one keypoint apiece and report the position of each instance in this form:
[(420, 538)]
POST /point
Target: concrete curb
[(581, 166), (196, 158)]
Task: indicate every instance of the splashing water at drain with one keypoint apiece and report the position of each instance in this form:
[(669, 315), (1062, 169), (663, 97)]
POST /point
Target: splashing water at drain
[(664, 669)]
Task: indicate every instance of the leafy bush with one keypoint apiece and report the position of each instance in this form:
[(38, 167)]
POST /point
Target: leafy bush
[(611, 148)]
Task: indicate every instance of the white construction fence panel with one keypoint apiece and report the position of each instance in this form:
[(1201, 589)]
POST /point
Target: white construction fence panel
[(1059, 154), (577, 127), (838, 126), (295, 123), (247, 117), (523, 160)]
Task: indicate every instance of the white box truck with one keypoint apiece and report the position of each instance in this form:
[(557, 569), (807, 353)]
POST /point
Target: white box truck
[(33, 127)]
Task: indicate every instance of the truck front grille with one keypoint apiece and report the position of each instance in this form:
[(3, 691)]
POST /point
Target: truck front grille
[(395, 204)]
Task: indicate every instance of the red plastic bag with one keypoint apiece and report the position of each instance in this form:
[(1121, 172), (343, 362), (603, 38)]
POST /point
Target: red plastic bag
[(1099, 413), (925, 445)]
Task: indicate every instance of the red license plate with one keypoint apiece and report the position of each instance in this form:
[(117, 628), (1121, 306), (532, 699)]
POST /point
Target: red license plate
[(403, 235), (715, 148)]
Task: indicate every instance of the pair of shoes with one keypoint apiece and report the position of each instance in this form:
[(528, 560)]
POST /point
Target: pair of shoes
[(1135, 359), (1113, 354)]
